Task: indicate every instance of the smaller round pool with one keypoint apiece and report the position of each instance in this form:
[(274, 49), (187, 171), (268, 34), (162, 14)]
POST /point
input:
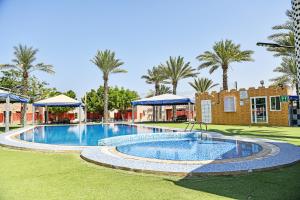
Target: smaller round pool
[(191, 149)]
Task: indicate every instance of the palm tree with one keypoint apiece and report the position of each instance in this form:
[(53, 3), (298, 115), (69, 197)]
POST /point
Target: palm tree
[(23, 63), (156, 77), (175, 70), (163, 89), (287, 26), (224, 53), (202, 84), (108, 64), (285, 37), (288, 69)]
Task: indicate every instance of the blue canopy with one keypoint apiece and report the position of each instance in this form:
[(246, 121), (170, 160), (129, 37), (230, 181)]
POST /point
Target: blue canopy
[(165, 99), (12, 97), (57, 104)]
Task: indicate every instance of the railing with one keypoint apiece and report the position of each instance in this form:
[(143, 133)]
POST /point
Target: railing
[(192, 123)]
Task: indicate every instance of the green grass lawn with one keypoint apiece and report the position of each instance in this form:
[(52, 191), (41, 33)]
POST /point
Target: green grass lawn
[(2, 128), (34, 175), (287, 134)]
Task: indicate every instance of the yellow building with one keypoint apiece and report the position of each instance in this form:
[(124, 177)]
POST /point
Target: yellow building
[(243, 107)]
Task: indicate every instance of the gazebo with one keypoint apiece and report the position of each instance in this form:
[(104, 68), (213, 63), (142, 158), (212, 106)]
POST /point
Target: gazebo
[(162, 100), (7, 97), (58, 101)]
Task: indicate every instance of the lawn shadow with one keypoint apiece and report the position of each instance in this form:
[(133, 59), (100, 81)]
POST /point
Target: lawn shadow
[(280, 183), (275, 184), (268, 134)]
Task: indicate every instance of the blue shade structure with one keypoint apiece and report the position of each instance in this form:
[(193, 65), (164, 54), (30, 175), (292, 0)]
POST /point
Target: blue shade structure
[(7, 97), (164, 99), (58, 101)]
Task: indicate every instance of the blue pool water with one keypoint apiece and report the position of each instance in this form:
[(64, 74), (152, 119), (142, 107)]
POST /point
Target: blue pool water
[(81, 135), (191, 149)]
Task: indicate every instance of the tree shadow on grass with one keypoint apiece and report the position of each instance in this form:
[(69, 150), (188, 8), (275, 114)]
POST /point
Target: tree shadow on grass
[(276, 184), (268, 134)]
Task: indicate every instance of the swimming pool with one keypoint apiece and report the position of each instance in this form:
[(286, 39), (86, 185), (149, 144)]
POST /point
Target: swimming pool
[(191, 149), (81, 135)]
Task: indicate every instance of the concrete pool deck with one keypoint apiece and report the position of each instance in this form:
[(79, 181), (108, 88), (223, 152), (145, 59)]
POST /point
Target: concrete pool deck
[(10, 140), (277, 154)]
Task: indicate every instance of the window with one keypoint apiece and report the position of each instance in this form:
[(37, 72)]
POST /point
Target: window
[(229, 104), (275, 104)]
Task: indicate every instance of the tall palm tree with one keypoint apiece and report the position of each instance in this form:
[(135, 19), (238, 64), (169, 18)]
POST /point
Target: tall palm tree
[(156, 77), (175, 70), (24, 63), (224, 53), (202, 84), (108, 64), (285, 37), (288, 70), (163, 89)]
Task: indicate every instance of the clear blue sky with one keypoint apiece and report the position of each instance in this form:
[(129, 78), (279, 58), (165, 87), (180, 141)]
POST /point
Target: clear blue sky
[(143, 33)]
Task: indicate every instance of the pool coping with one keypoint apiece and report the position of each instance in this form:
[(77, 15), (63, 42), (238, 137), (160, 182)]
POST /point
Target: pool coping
[(277, 154), (9, 139), (287, 155)]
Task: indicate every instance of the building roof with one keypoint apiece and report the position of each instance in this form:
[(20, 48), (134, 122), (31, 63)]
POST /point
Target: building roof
[(164, 99), (12, 97), (59, 101)]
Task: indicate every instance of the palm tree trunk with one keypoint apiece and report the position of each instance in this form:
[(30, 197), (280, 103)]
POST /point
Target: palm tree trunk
[(105, 79), (174, 107), (225, 77), (24, 92), (154, 107)]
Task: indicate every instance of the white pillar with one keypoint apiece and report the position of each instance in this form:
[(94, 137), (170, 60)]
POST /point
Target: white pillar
[(296, 19), (189, 118), (47, 115), (165, 111), (85, 108), (33, 114), (79, 117), (7, 109), (132, 115)]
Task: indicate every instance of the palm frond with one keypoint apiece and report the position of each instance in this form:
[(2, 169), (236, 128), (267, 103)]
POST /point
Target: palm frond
[(288, 70), (107, 63), (202, 84), (43, 68)]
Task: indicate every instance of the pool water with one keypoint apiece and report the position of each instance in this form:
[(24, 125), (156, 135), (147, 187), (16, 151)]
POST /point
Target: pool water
[(191, 149), (82, 135)]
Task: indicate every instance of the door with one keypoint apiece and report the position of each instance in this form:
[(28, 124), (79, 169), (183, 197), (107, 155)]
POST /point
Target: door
[(259, 112), (206, 111)]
